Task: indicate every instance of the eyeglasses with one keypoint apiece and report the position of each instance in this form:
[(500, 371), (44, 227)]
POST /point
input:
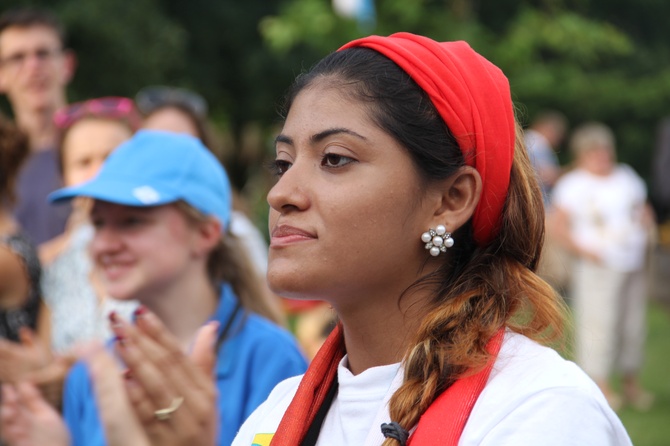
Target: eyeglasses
[(108, 107), (152, 98), (41, 54)]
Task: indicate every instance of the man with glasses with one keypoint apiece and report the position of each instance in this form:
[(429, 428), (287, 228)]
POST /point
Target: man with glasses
[(35, 69)]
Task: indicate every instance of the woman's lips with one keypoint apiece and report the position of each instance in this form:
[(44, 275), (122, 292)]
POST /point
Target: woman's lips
[(286, 235), (114, 271)]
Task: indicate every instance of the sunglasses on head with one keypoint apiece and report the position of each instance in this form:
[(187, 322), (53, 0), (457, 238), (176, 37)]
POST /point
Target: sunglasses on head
[(108, 107), (152, 98)]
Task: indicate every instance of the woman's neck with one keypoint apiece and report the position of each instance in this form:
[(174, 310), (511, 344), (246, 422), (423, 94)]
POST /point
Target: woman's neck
[(379, 333), (185, 306), (8, 225)]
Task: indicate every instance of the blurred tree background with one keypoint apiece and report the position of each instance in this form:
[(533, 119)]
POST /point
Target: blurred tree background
[(591, 59)]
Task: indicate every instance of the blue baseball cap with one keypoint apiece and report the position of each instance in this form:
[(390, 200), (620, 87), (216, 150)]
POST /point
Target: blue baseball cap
[(157, 167)]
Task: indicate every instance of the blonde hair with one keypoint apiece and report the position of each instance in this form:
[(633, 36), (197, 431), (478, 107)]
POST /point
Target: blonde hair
[(589, 136), (229, 263)]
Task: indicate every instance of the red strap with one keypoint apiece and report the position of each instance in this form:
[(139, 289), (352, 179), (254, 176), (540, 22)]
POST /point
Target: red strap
[(445, 419), (433, 428), (311, 392)]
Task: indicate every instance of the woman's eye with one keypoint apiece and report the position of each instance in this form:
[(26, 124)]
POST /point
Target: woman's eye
[(279, 167), (83, 162), (335, 160), (132, 221)]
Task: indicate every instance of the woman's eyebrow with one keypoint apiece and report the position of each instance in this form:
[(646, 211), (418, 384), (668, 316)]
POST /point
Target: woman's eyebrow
[(281, 138), (284, 139), (334, 131)]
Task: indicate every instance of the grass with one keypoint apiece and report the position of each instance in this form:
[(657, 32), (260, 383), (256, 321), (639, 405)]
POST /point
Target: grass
[(653, 428)]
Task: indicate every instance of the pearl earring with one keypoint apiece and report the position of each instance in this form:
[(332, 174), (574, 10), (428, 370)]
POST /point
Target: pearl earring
[(437, 240)]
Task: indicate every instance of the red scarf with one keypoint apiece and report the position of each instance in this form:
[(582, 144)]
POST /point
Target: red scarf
[(473, 98), (433, 427), (311, 391)]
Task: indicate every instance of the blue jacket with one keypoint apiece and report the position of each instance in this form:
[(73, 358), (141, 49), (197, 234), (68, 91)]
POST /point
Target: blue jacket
[(255, 356)]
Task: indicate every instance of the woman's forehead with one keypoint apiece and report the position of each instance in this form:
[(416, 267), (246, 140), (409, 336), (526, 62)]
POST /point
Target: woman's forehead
[(117, 208), (316, 109)]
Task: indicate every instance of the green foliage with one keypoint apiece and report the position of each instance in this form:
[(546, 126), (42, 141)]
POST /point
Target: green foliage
[(534, 36), (121, 48), (582, 57), (602, 60), (309, 21)]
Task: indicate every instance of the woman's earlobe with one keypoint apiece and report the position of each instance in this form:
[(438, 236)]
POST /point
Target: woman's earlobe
[(210, 232)]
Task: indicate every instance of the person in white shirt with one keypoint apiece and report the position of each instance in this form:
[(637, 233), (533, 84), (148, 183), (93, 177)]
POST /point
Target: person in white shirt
[(602, 217), (406, 200)]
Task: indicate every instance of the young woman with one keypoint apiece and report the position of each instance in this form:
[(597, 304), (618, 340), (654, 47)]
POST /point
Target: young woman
[(90, 130), (161, 216), (406, 200), (184, 111), (402, 170)]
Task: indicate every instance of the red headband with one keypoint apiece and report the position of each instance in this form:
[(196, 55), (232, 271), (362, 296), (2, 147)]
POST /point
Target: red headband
[(473, 97)]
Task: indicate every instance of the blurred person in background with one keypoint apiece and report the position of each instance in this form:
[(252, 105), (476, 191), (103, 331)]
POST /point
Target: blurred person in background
[(542, 139), (24, 322), (184, 111), (602, 217), (20, 270), (35, 68), (162, 206), (75, 310), (660, 197), (79, 306), (660, 179)]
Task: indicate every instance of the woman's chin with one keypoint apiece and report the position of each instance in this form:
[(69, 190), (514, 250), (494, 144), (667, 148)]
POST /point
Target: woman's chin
[(287, 289), (118, 292)]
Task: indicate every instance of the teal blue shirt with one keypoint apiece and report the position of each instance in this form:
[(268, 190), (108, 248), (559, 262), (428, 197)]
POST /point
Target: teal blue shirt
[(255, 356)]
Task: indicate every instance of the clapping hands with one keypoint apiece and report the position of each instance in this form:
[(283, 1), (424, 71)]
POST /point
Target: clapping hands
[(163, 397)]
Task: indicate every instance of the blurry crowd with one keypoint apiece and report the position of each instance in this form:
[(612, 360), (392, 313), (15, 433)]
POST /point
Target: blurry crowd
[(53, 295), (600, 233)]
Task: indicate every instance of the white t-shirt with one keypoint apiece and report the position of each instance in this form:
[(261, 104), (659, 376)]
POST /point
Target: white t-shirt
[(606, 215), (532, 397)]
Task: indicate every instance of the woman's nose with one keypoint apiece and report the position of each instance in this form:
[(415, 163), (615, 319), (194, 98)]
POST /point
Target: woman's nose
[(105, 241), (291, 192)]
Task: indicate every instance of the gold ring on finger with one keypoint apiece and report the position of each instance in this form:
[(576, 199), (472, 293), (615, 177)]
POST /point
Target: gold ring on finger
[(165, 414)]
